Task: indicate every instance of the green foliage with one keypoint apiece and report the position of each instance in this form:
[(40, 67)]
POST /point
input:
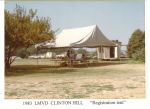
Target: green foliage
[(24, 53), (139, 55), (81, 50), (32, 50), (23, 29), (136, 45)]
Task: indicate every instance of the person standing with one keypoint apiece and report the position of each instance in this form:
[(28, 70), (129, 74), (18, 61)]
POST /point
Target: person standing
[(71, 58), (68, 57)]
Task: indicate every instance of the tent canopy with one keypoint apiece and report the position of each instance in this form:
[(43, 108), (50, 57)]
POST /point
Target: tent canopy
[(89, 36)]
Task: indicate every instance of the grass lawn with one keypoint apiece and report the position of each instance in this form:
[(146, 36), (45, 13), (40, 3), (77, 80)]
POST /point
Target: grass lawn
[(109, 80)]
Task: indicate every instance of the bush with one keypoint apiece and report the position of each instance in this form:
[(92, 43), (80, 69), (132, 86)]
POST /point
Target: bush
[(139, 55)]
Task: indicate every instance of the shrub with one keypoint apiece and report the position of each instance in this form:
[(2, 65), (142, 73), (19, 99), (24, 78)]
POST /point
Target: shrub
[(139, 55)]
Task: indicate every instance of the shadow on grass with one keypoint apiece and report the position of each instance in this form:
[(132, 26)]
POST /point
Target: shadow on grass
[(20, 70), (95, 64)]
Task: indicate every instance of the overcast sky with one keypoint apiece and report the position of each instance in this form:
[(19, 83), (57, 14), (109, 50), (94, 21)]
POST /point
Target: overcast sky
[(116, 19)]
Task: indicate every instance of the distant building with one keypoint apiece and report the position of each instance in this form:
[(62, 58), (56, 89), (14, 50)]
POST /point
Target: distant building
[(110, 52)]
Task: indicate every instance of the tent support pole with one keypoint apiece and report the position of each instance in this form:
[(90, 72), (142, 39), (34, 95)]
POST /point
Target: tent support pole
[(97, 50), (101, 49), (99, 53), (37, 55)]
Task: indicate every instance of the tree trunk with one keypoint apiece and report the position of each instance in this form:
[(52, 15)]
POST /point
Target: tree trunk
[(7, 67)]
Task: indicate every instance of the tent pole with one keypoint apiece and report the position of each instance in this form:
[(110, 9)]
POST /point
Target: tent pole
[(98, 53), (37, 55), (101, 52)]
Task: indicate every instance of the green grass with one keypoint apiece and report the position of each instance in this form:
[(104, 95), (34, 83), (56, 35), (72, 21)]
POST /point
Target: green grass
[(36, 62), (132, 62), (91, 88), (78, 96), (131, 87), (46, 68), (37, 71), (48, 71), (57, 63), (66, 90), (12, 94), (65, 87), (62, 83)]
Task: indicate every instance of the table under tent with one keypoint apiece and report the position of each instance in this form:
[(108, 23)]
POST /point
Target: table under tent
[(84, 37)]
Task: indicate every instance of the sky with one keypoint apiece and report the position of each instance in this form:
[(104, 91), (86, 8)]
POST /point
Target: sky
[(116, 19)]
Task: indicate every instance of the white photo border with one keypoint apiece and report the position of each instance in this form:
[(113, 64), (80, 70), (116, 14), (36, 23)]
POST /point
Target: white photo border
[(129, 103)]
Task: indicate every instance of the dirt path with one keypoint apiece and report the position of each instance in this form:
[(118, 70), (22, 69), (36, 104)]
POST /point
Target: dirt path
[(117, 82)]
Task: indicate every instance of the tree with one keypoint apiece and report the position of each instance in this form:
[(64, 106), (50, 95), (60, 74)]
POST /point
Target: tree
[(81, 50), (136, 44), (23, 29)]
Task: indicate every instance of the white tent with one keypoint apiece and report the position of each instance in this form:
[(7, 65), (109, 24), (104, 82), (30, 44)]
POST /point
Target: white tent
[(89, 36)]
